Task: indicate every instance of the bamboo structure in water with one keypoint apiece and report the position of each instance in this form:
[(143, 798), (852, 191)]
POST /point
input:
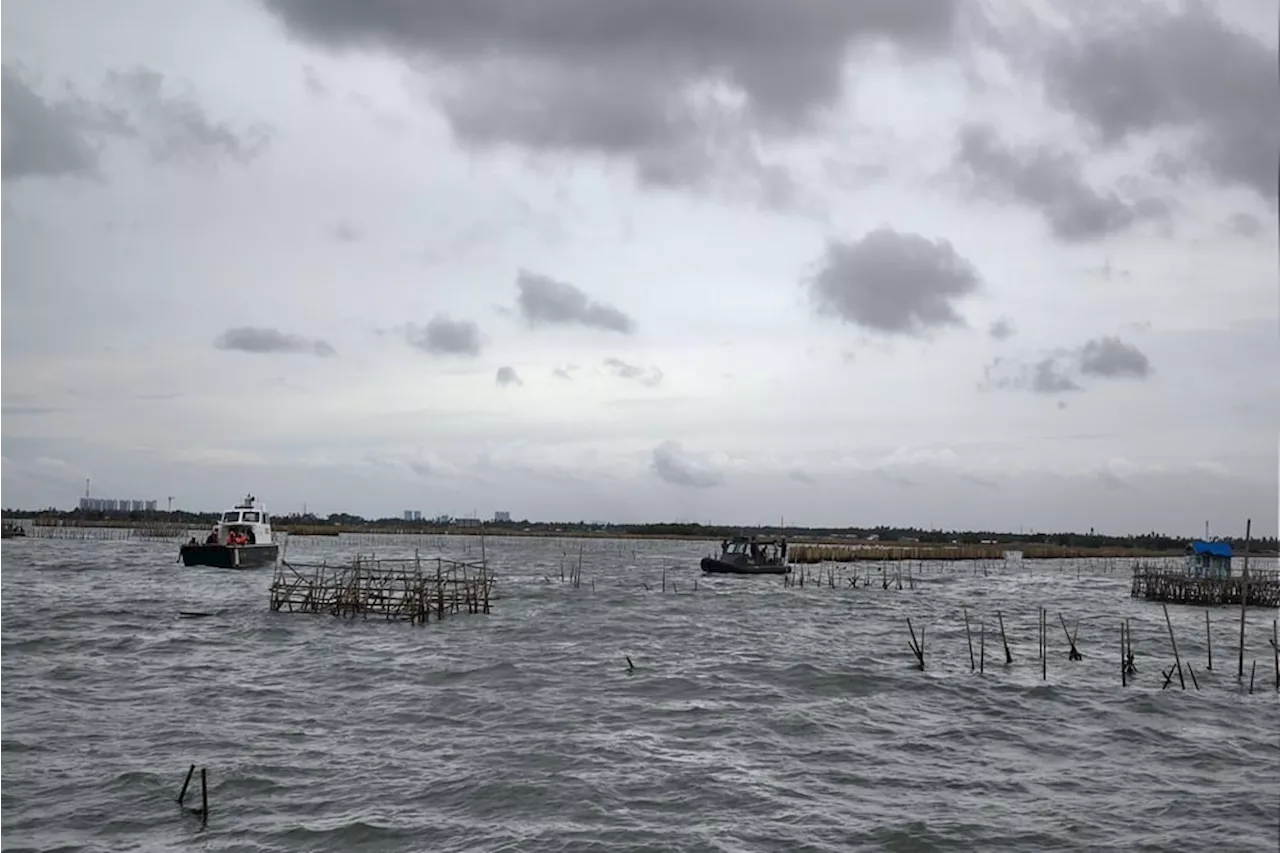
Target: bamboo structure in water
[(412, 589), (1176, 586)]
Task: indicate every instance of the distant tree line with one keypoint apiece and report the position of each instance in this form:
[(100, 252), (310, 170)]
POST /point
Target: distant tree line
[(348, 521)]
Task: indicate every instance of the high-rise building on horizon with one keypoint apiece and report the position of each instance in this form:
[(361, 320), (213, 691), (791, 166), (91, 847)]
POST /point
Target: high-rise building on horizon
[(88, 504)]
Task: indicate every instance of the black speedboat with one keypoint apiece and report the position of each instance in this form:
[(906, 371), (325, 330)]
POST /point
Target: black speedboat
[(749, 555)]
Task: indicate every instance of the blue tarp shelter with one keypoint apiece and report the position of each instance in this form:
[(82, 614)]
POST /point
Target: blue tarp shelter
[(1209, 559)]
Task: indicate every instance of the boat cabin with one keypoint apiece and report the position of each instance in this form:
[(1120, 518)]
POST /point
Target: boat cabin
[(245, 520), (754, 550), (1209, 560)]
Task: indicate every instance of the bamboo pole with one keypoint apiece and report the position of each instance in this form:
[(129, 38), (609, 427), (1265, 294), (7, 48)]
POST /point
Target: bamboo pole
[(1244, 593), (969, 636), (1208, 639), (1174, 643)]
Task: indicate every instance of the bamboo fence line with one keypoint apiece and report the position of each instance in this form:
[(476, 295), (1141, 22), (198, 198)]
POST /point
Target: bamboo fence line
[(805, 553), (413, 589), (1179, 667), (156, 532), (903, 574)]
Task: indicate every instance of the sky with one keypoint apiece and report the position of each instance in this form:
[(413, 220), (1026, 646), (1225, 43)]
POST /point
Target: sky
[(960, 265)]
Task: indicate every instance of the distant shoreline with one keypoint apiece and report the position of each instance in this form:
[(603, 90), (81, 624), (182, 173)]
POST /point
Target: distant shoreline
[(836, 546)]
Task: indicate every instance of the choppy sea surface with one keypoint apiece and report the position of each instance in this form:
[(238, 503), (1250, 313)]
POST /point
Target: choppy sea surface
[(758, 717)]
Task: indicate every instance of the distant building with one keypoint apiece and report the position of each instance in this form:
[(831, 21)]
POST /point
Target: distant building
[(412, 515), (466, 522), (501, 516), (88, 504)]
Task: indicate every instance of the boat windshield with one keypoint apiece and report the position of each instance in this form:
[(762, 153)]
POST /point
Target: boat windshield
[(230, 517), (251, 517)]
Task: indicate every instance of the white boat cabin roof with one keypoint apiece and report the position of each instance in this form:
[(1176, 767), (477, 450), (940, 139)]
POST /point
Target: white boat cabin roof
[(246, 512)]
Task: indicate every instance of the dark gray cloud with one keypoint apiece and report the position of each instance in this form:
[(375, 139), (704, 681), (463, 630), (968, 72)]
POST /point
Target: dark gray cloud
[(565, 371), (650, 378), (445, 336), (508, 376), (1052, 183), (1060, 371), (673, 465), (257, 340), (51, 138), (553, 81), (893, 283), (1111, 357), (46, 137), (543, 301), (174, 123), (1001, 329), (1183, 71)]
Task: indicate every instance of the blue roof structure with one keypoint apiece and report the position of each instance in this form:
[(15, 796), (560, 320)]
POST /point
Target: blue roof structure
[(1213, 549)]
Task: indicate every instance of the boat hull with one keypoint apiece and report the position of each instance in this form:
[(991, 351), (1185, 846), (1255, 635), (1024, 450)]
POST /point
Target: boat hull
[(227, 557), (712, 566)]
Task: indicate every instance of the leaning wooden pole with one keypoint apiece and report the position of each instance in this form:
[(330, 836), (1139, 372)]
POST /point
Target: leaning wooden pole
[(1177, 660), (969, 636), (1008, 658)]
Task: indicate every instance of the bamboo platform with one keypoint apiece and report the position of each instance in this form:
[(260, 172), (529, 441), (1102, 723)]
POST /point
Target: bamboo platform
[(410, 589), (1175, 586)]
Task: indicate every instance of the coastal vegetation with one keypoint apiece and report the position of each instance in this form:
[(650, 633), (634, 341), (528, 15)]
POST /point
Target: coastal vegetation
[(914, 542)]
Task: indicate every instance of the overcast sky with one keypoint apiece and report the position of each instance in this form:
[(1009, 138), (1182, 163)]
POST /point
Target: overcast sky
[(943, 264)]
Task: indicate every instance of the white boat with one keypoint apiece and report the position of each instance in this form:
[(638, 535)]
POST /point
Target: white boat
[(242, 539)]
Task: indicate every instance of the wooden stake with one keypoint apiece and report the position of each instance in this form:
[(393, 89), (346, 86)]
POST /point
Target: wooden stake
[(1008, 658), (1044, 645), (969, 636), (1244, 592), (182, 795), (1128, 646), (917, 646), (1074, 654), (1124, 676), (1174, 643), (982, 646), (1208, 638), (1275, 648)]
